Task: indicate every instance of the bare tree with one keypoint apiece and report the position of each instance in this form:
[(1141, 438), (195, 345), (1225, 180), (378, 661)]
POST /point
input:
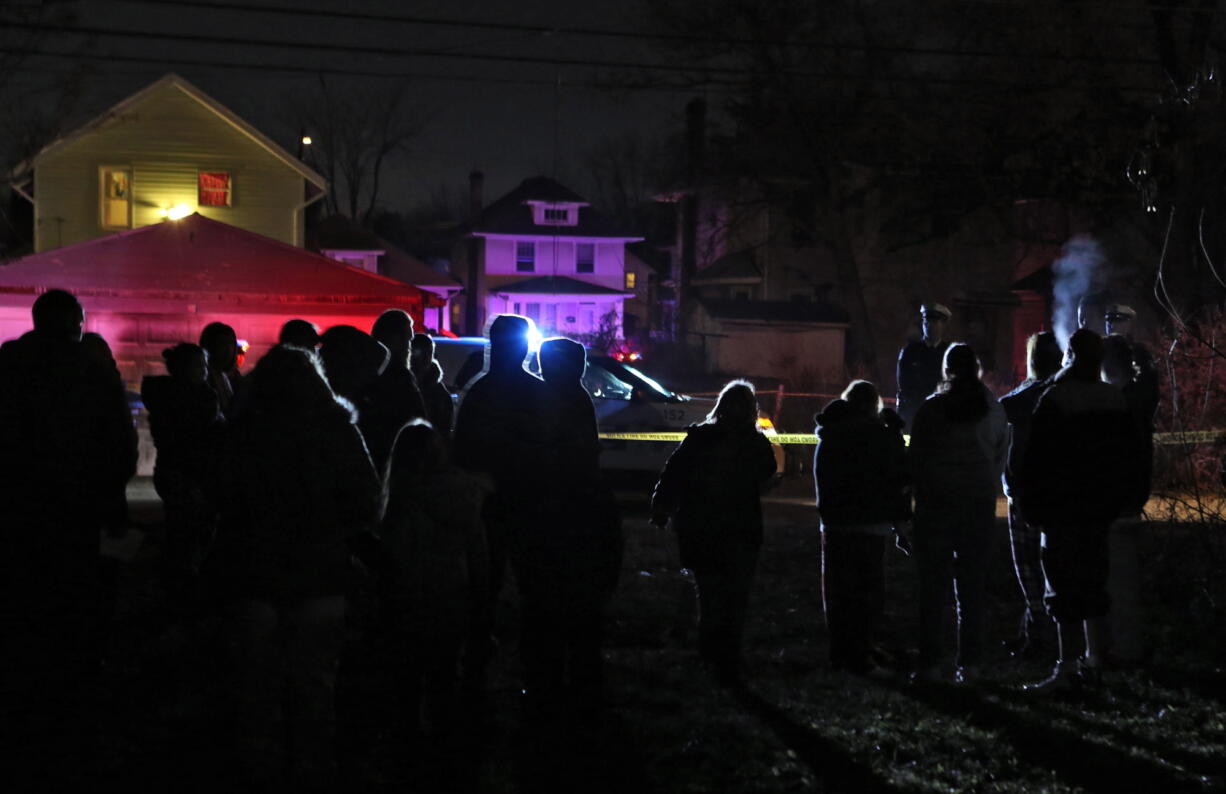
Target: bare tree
[(356, 133)]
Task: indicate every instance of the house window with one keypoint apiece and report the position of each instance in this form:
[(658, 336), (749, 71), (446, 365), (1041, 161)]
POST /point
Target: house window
[(116, 198), (585, 257), (214, 189), (525, 256), (630, 280), (557, 215)]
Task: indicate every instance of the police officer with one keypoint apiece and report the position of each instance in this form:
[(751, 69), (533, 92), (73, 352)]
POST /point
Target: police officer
[(919, 362)]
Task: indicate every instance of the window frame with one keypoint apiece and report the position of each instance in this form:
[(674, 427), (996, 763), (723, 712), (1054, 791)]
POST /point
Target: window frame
[(591, 264), (523, 265), (103, 183)]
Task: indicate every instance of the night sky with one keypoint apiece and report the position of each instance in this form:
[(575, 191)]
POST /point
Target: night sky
[(495, 115)]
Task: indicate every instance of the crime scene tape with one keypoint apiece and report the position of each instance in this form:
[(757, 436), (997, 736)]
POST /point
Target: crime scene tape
[(1187, 437)]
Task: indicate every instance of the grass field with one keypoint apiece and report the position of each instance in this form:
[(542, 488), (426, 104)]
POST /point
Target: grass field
[(795, 727)]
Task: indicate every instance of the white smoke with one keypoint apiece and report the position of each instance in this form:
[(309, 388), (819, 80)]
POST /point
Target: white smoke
[(1076, 273)]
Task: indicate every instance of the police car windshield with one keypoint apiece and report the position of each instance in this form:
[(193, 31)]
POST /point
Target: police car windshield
[(638, 379), (599, 382)]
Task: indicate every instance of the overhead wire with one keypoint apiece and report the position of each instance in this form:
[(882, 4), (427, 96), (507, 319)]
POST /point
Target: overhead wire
[(367, 51), (637, 35)]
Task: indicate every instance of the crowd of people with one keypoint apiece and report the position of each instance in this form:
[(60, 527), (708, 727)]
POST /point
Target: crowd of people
[(340, 463)]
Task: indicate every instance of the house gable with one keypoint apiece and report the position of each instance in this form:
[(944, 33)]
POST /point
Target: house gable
[(161, 140)]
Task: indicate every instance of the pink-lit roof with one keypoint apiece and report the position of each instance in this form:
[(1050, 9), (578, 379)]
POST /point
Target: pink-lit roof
[(201, 259)]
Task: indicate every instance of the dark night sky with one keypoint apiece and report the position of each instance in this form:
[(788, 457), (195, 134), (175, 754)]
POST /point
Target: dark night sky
[(477, 118)]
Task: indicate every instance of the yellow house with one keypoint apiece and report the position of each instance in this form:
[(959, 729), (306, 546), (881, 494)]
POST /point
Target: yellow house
[(166, 151)]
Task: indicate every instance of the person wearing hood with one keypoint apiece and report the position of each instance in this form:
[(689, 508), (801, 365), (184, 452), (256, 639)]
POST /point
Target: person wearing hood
[(221, 343), (185, 420), (440, 406), (395, 397), (710, 489), (959, 443), (860, 473), (353, 361)]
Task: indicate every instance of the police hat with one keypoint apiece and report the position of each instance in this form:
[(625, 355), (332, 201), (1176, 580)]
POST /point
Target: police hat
[(937, 310)]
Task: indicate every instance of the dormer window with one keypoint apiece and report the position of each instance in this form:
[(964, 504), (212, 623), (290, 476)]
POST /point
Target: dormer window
[(555, 213)]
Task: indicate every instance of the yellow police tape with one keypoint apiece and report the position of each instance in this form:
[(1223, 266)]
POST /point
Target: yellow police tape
[(1187, 437)]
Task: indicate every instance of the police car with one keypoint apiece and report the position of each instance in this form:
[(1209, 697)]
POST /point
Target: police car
[(626, 399)]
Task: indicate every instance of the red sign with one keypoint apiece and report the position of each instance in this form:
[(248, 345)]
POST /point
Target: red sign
[(214, 189)]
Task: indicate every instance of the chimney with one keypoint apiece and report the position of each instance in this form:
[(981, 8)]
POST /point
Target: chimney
[(476, 186)]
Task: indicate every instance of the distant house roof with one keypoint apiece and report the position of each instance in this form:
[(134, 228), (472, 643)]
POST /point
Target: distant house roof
[(556, 285), (341, 233), (172, 79), (201, 259), (512, 213), (1038, 281), (739, 266), (774, 311)]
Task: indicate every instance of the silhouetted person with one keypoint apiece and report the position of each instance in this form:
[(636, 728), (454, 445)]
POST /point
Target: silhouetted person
[(1080, 472), (1043, 357), (710, 488), (115, 519), (433, 586), (1122, 369), (567, 563), (860, 473), (68, 444), (395, 396), (959, 443), (440, 407), (501, 433), (221, 343), (298, 485), (919, 362), (353, 361), (185, 421), (300, 333)]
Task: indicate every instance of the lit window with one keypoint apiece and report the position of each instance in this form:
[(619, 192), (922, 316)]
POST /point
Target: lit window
[(585, 257), (116, 198), (214, 189), (525, 256), (557, 215), (630, 280)]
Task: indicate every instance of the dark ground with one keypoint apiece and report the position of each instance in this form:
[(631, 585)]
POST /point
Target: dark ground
[(796, 726)]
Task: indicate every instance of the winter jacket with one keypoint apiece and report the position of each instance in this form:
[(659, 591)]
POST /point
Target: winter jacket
[(387, 405), (67, 447), (186, 422), (954, 459), (711, 486), (436, 567), (68, 440), (1082, 465), (502, 431), (574, 549), (860, 468), (293, 491), (918, 373), (1019, 408)]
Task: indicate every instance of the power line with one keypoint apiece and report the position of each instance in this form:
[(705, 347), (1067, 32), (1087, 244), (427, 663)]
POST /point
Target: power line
[(701, 71), (614, 33)]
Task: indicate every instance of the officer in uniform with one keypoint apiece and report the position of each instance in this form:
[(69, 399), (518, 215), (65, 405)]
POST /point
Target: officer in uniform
[(919, 362)]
